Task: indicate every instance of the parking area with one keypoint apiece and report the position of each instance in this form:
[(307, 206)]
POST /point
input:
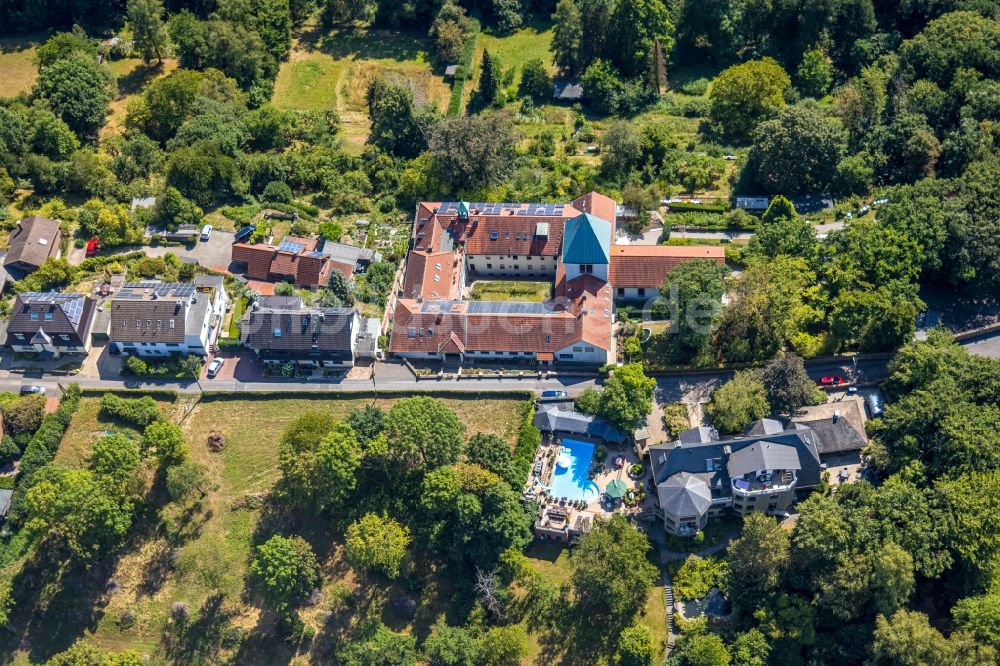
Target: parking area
[(243, 367), (216, 252)]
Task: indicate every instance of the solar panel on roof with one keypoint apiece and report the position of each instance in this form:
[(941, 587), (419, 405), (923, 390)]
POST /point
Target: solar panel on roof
[(287, 246)]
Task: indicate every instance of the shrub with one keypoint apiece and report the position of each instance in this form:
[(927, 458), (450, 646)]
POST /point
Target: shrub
[(139, 412), (528, 440), (696, 87), (698, 575), (45, 442), (9, 450), (23, 414), (135, 366), (675, 418), (277, 192), (589, 401)]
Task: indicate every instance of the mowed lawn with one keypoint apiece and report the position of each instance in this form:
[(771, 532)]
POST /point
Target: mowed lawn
[(554, 561), (18, 69), (332, 70), (154, 573), (511, 290)]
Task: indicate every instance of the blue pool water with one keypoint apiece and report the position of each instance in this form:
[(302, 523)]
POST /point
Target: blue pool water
[(572, 482)]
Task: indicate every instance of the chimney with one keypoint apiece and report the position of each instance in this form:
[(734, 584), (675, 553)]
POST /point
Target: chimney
[(836, 415)]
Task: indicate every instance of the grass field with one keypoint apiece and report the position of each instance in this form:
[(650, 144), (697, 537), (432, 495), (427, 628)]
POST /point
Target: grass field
[(17, 63), (154, 573), (530, 42), (511, 290), (332, 70)]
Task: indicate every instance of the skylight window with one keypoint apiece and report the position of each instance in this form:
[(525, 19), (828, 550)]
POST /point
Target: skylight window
[(277, 332), (494, 235)]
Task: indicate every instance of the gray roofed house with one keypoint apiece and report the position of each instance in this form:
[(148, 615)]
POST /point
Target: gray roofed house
[(34, 240), (350, 255), (699, 435), (838, 427), (50, 323), (279, 302), (553, 419), (762, 427), (310, 337), (761, 456), (742, 474), (685, 494)]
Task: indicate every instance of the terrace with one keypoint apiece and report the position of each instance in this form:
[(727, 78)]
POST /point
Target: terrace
[(754, 483)]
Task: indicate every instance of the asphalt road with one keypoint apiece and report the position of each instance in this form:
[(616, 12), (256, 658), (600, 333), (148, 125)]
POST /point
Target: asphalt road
[(670, 388)]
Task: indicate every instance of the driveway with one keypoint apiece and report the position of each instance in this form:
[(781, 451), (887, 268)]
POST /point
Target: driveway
[(238, 366), (216, 252)]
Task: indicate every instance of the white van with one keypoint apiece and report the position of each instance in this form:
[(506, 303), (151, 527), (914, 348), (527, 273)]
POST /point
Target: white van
[(206, 231)]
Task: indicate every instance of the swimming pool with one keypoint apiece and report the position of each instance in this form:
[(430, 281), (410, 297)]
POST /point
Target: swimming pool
[(570, 479)]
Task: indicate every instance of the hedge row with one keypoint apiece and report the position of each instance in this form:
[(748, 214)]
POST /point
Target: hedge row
[(97, 263), (528, 440), (303, 211), (45, 442), (464, 70), (705, 208), (209, 396), (139, 412)]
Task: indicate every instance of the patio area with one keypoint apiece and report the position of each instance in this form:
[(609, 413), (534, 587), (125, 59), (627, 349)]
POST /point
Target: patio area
[(617, 490)]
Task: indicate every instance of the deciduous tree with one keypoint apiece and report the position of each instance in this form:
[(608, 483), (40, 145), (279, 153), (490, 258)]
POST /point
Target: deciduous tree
[(377, 543), (612, 577), (627, 397), (148, 28), (745, 95), (285, 571), (738, 403)]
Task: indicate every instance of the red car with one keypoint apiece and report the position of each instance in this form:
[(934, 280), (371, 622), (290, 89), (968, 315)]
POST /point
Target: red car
[(831, 380), (93, 245)]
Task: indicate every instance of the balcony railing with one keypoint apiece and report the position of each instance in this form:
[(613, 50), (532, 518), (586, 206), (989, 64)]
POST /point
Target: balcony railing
[(752, 484)]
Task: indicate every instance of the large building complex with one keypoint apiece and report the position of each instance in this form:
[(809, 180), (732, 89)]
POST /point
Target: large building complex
[(571, 244)]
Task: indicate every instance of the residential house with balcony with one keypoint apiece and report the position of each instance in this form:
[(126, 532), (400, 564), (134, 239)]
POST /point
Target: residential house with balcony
[(162, 318), (701, 476), (50, 324), (281, 329)]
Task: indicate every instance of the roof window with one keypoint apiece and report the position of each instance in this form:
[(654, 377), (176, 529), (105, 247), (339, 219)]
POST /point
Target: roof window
[(494, 235), (277, 332)]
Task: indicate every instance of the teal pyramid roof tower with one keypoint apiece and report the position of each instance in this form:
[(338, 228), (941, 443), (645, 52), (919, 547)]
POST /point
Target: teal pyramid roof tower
[(587, 240)]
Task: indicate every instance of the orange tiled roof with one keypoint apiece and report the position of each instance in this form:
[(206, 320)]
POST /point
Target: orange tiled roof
[(646, 266), (547, 331), (431, 275), (267, 262)]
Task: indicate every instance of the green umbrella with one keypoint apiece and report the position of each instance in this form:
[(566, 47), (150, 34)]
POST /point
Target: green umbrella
[(616, 489)]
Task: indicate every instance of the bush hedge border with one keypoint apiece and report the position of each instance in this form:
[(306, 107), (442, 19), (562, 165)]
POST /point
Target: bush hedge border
[(464, 70)]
